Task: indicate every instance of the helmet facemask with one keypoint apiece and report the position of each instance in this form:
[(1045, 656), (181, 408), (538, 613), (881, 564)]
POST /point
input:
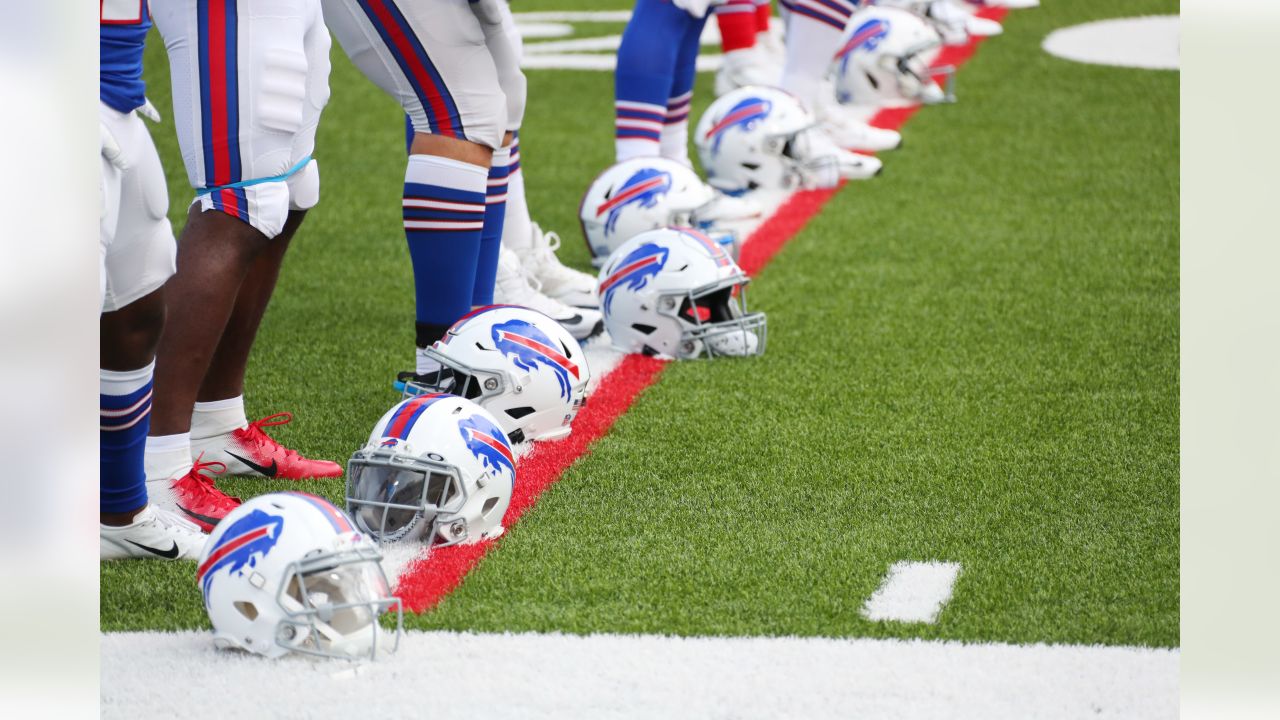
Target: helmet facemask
[(714, 320), (916, 79), (394, 496), (332, 602), (478, 386)]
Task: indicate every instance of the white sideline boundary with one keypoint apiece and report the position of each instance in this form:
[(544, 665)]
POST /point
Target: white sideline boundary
[(444, 674)]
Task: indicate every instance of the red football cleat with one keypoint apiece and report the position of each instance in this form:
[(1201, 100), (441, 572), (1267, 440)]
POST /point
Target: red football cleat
[(195, 497), (250, 451)]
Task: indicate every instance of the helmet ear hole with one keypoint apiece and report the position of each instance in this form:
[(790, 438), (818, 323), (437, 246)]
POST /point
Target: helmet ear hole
[(488, 506), (519, 412), (643, 329), (247, 609)]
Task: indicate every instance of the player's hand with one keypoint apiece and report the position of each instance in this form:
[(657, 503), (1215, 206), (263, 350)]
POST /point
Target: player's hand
[(149, 111), (111, 149), (489, 12)]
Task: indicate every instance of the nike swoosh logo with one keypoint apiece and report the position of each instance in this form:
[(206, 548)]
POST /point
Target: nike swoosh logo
[(202, 518), (171, 553), (267, 470)]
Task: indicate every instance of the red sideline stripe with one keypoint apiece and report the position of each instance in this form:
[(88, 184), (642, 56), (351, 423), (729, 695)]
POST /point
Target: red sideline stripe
[(426, 581)]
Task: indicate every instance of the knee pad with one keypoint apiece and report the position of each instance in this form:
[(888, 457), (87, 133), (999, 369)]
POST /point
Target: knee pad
[(304, 187)]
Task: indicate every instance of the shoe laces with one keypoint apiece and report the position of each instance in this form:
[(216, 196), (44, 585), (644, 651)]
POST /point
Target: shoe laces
[(198, 483), (262, 439), (545, 246)]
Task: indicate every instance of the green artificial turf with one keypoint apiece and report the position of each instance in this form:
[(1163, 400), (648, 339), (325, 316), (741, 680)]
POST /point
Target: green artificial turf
[(972, 358)]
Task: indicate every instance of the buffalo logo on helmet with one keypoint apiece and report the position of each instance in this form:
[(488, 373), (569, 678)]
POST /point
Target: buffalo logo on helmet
[(528, 347), (634, 270), (488, 444), (744, 115), (868, 35), (644, 188), (241, 546)]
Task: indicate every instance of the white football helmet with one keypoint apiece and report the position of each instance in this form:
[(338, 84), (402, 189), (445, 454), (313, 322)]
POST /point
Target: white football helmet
[(675, 293), (520, 365), (643, 194), (289, 572), (760, 137), (884, 61), (437, 469), (952, 19)]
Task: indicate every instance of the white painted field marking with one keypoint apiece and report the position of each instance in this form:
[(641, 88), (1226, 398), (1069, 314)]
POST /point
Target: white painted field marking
[(438, 674), (913, 592), (1150, 42), (590, 53)]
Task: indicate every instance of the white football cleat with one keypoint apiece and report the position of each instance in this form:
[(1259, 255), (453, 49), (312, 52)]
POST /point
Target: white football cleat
[(726, 208), (849, 165), (744, 68), (154, 533), (557, 281), (847, 131), (515, 285)]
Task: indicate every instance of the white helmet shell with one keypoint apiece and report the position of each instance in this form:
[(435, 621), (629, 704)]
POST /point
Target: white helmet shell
[(520, 365), (675, 293), (884, 58), (437, 469), (636, 195), (289, 572), (757, 137)]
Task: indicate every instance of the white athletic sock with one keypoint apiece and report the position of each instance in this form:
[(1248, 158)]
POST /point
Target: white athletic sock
[(218, 417), (425, 363), (517, 225), (675, 130), (811, 45), (167, 456)]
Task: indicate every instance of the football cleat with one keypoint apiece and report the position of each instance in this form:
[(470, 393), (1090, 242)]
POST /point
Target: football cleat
[(847, 131), (850, 165), (250, 451), (569, 286), (154, 533), (743, 68), (515, 285), (194, 496)]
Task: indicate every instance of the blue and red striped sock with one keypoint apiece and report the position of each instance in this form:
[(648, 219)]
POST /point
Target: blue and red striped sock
[(649, 59), (495, 209), (444, 216), (124, 401)]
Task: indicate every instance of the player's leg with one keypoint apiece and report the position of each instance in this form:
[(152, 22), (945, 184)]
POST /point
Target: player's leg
[(744, 63), (220, 430), (246, 103), (528, 271), (814, 29), (431, 56), (674, 140), (647, 59), (137, 256)]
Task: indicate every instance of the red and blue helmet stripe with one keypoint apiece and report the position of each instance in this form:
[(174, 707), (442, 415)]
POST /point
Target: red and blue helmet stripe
[(407, 414)]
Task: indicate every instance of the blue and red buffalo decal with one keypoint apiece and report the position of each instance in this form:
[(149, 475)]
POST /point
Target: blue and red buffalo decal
[(528, 347), (488, 443), (744, 115), (241, 546), (634, 270), (643, 189), (867, 35)]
